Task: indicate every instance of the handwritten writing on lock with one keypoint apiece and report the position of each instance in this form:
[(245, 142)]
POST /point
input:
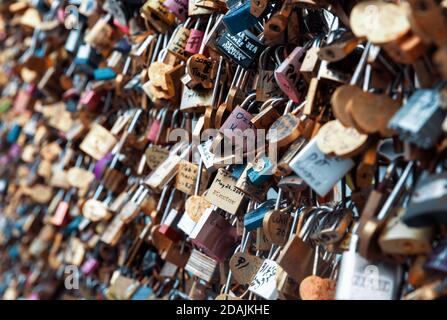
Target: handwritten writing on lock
[(319, 171), (237, 126)]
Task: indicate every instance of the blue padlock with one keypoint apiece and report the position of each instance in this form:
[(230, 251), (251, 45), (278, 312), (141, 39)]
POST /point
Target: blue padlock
[(253, 219), (71, 106), (13, 133), (22, 210), (261, 172), (239, 18), (143, 293), (73, 225), (86, 55), (104, 74), (40, 5), (123, 46), (237, 171), (14, 251)]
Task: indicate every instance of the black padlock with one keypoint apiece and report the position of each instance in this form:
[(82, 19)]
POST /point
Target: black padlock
[(243, 48)]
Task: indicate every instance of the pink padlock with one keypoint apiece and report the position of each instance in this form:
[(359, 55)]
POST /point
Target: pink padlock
[(153, 131), (24, 98), (60, 214), (33, 296), (194, 41), (287, 74), (90, 266), (62, 209), (123, 28), (178, 7), (156, 126), (237, 123), (61, 15)]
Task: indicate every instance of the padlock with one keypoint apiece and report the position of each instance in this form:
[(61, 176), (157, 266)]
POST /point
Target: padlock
[(276, 225), (223, 192), (264, 282), (87, 57), (178, 7), (195, 206), (427, 21), (360, 279), (215, 235), (61, 213), (195, 39), (166, 170), (286, 128), (397, 238), (239, 18), (200, 69), (101, 74), (423, 209), (423, 110), (94, 209), (371, 229), (194, 9), (168, 225), (267, 114), (238, 126), (201, 265), (287, 75), (256, 191), (254, 219), (98, 142), (267, 86), (235, 96), (274, 28), (173, 150), (158, 15), (340, 47), (177, 254), (283, 166), (243, 48), (319, 171), (179, 41), (24, 98), (297, 248), (132, 208), (333, 227)]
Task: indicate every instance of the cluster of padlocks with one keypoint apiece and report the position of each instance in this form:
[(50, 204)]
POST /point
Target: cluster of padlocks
[(210, 149)]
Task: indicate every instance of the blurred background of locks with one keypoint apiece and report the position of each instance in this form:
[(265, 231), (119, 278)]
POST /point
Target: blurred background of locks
[(208, 149)]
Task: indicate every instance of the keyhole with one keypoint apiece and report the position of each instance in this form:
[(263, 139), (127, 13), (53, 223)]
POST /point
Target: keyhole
[(422, 6), (330, 54), (275, 28)]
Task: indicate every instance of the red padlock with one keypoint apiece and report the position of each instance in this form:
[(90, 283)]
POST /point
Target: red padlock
[(90, 99), (215, 235)]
